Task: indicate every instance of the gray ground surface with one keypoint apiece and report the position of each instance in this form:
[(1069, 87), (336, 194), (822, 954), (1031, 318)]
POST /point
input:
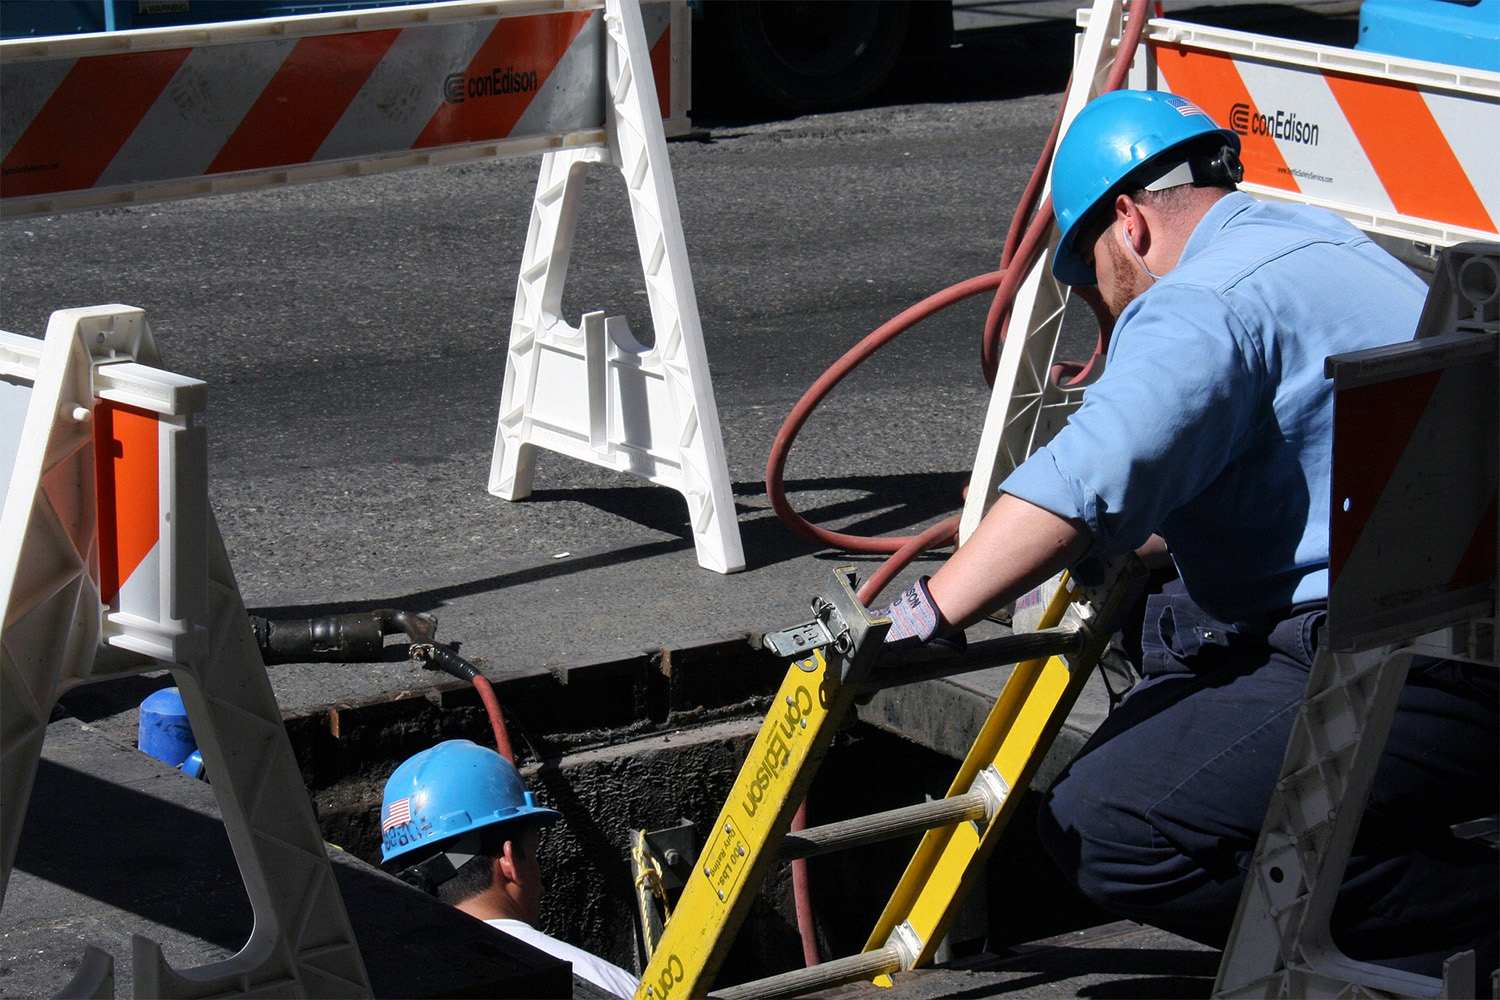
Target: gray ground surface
[(353, 334)]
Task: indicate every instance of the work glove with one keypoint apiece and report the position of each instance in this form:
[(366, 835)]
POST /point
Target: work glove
[(915, 621)]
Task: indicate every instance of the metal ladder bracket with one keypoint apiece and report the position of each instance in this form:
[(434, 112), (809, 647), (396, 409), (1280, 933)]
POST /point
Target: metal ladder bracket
[(840, 623)]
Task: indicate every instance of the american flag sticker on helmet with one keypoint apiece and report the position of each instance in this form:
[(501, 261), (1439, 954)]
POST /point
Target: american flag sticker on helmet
[(1185, 108), (399, 815)]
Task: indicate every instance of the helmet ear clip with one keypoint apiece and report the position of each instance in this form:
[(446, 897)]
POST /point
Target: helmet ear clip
[(1223, 168), (442, 866)]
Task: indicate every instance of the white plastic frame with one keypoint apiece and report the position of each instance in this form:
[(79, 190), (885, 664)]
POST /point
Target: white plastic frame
[(592, 392), (56, 634)]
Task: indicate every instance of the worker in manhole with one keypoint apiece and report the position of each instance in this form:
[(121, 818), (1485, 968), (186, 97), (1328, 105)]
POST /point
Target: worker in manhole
[(457, 822), (1208, 438)]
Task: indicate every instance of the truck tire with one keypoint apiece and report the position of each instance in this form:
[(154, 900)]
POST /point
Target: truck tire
[(797, 56)]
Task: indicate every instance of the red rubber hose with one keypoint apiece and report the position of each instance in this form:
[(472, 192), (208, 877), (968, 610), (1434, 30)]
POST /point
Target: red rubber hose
[(497, 721), (776, 463)]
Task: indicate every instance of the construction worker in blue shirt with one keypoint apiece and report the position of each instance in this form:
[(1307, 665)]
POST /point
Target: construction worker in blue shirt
[(1208, 439), (457, 822)]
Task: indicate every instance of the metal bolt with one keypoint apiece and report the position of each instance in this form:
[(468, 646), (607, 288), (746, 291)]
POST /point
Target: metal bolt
[(721, 895), (742, 850), (804, 722), (672, 858)]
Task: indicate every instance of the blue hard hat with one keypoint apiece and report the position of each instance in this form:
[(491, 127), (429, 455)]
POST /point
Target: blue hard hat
[(451, 789), (1123, 139)]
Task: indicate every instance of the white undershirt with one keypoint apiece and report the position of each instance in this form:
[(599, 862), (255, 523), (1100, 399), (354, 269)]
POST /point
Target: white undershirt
[(585, 966)]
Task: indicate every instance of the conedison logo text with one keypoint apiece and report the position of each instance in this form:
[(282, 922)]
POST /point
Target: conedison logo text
[(458, 88), (1283, 125)]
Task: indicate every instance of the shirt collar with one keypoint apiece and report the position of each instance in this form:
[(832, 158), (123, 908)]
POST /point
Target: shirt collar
[(1214, 221)]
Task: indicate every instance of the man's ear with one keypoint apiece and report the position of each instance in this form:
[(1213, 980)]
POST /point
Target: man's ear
[(505, 862), (1133, 224)]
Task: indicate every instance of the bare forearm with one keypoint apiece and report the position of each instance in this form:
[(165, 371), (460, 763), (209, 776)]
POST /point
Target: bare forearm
[(1016, 546)]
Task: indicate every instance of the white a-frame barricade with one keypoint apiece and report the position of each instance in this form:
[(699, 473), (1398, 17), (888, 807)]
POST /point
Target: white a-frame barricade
[(226, 107), (111, 565), (593, 391), (1027, 406)]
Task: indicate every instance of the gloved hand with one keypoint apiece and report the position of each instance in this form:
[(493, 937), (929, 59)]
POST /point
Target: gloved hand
[(915, 621)]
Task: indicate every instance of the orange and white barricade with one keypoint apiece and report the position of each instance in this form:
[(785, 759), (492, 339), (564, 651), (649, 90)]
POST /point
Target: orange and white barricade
[(226, 106), (111, 565), (175, 112), (1398, 146)]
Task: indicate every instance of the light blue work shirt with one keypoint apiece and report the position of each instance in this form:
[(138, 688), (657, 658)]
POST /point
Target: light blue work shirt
[(1212, 424)]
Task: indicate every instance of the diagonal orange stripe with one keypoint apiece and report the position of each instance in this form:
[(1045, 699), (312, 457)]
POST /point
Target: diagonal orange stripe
[(1477, 565), (503, 78), (1212, 82), (1373, 425), (304, 101), (126, 474), (661, 71), (86, 121), (1409, 151)]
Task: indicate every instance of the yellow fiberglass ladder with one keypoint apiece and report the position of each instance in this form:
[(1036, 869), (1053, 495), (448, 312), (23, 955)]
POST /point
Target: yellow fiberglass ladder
[(835, 662)]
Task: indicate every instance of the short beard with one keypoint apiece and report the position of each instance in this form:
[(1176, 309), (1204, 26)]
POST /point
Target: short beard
[(1130, 281)]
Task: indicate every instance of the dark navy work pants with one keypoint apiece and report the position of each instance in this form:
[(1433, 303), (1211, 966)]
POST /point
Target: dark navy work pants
[(1157, 818)]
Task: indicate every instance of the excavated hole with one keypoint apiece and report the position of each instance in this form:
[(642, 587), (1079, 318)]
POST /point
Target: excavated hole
[(651, 743)]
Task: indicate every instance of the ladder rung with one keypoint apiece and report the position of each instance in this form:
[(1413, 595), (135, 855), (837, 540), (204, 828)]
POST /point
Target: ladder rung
[(866, 965), (884, 825), (924, 666)]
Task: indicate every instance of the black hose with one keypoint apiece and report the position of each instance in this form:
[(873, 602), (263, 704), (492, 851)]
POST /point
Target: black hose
[(350, 638), (440, 657)]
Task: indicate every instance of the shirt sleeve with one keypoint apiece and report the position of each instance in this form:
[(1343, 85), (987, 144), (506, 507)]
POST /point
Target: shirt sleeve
[(1175, 405)]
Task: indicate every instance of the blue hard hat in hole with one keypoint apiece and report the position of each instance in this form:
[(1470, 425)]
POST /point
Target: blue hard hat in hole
[(449, 790)]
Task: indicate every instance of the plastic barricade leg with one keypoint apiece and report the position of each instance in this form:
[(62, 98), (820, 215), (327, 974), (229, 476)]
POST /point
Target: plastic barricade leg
[(1280, 944), (111, 565), (594, 392), (1026, 407)]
